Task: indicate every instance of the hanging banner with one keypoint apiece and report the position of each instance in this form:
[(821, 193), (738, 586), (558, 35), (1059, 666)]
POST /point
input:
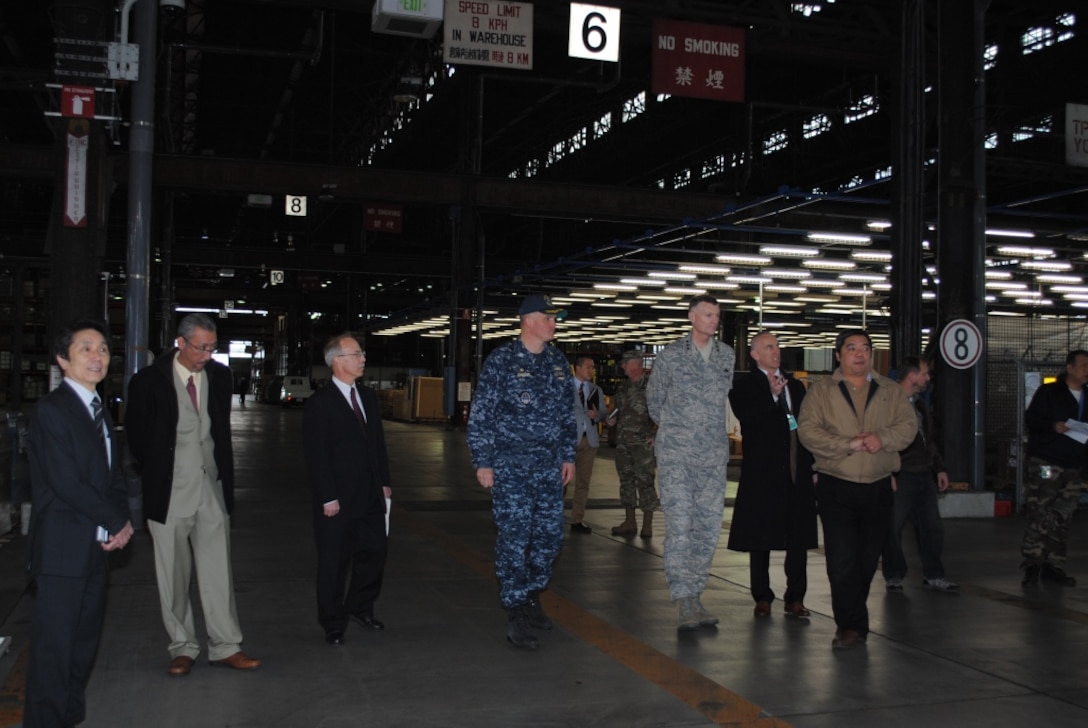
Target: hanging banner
[(488, 34), (1076, 135), (75, 175), (699, 61)]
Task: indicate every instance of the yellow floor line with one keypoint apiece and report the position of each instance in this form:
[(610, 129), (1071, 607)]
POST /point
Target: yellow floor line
[(717, 703)]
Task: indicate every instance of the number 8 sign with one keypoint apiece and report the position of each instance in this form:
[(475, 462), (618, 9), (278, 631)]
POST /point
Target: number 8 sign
[(961, 344)]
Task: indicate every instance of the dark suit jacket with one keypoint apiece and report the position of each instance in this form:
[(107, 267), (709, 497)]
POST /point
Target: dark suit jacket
[(74, 488), (151, 423), (773, 505), (340, 466)]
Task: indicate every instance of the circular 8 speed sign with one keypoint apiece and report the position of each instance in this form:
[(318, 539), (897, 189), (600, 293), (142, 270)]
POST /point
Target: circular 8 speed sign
[(961, 344)]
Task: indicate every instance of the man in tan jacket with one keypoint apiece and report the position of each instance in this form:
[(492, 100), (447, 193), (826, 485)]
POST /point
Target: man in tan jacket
[(854, 423)]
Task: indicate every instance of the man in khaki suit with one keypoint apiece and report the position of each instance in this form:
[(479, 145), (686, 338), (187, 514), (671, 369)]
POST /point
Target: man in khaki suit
[(178, 424)]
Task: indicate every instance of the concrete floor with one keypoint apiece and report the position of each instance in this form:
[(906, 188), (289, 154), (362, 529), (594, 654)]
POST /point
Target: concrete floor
[(990, 656)]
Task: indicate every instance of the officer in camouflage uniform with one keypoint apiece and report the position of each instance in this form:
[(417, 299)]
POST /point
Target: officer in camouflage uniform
[(687, 395), (521, 435), (1055, 471), (635, 463)]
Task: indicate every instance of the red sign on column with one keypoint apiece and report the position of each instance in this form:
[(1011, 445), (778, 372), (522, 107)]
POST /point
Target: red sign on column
[(697, 60), (77, 101), (384, 218)]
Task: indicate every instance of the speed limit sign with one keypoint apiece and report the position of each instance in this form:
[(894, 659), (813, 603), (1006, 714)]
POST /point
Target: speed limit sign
[(594, 32), (961, 344)]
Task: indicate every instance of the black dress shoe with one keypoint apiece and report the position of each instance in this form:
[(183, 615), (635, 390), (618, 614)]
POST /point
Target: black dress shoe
[(334, 638), (580, 528), (1057, 574), (368, 621)]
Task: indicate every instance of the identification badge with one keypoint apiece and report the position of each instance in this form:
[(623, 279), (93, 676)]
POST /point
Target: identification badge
[(793, 422)]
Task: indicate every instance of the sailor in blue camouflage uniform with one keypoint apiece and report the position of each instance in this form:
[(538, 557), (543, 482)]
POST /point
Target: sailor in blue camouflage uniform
[(521, 434), (687, 395)]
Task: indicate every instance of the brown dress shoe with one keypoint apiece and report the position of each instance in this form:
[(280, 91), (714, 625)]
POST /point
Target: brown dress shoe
[(763, 609), (847, 638), (180, 666), (798, 610), (238, 661)]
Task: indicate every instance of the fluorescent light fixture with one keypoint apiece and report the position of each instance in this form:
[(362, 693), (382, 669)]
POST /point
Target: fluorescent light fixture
[(671, 274), (853, 292), (740, 259), (1056, 266), (613, 287), (783, 288), (1031, 252), (821, 283), (1003, 233), (718, 285), (816, 298), (643, 281), (998, 275), (1006, 285), (862, 277), (843, 238), (788, 251), (829, 264), (1057, 278), (710, 270), (1034, 302), (1069, 289), (878, 225), (748, 280), (872, 256), (686, 290), (788, 273)]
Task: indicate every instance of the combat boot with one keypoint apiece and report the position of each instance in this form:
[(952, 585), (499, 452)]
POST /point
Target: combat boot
[(705, 618), (534, 613), (686, 619), (517, 629), (647, 524), (628, 527)]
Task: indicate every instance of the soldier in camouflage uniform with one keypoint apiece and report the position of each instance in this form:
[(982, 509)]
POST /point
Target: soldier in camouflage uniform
[(635, 463), (521, 435), (687, 395), (1054, 469)]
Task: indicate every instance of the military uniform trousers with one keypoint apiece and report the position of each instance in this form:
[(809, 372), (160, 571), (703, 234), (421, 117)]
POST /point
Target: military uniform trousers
[(1049, 503), (527, 505), (693, 499), (636, 467)]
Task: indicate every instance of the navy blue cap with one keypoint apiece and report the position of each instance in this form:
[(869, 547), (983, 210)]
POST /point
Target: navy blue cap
[(539, 303)]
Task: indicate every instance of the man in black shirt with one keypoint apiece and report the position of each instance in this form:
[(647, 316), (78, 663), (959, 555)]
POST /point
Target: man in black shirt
[(1054, 469)]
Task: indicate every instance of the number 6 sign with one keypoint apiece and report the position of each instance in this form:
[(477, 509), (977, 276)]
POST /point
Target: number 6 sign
[(594, 32), (961, 344)]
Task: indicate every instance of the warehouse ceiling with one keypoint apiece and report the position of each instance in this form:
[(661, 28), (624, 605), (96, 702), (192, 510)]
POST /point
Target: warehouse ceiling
[(579, 180)]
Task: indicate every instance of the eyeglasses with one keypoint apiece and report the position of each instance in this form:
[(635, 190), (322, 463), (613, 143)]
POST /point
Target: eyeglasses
[(354, 354), (205, 349)]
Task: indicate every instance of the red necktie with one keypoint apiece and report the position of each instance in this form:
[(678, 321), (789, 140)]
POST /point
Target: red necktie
[(191, 387)]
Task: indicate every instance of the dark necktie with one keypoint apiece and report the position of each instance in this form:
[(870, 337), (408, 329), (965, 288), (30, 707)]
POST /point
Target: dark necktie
[(100, 423), (191, 387), (582, 395), (358, 410)]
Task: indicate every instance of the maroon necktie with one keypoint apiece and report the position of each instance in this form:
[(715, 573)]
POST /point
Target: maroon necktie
[(358, 410), (191, 387)]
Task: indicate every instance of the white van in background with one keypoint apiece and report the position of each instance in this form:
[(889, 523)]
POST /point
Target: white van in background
[(295, 390)]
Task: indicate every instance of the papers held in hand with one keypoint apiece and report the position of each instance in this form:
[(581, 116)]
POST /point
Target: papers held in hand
[(1077, 430)]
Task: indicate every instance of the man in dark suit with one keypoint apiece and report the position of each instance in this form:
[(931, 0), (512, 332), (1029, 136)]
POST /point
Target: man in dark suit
[(776, 504), (178, 425), (79, 513), (349, 475)]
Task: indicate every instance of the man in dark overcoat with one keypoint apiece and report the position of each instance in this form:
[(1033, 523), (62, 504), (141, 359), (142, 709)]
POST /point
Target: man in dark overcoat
[(775, 506)]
